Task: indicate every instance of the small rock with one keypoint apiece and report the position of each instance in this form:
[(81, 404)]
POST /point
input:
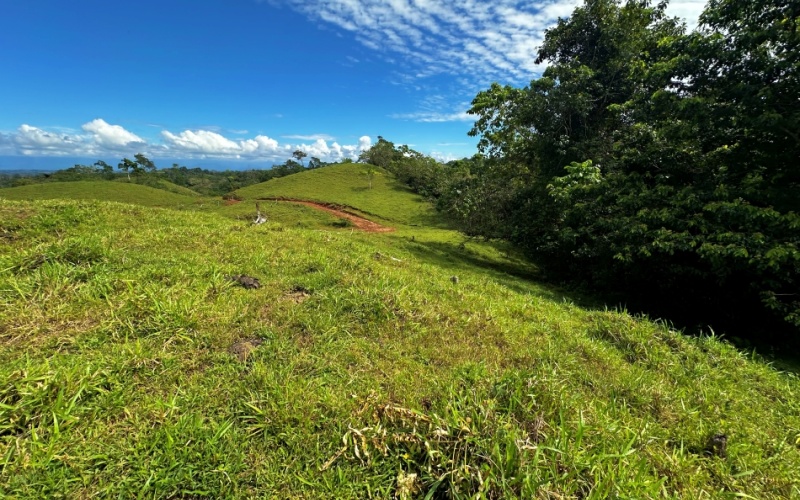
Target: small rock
[(246, 281), (718, 445)]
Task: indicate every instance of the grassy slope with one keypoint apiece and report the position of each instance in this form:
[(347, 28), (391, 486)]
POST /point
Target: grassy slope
[(115, 375), (346, 184), (100, 190), (163, 184)]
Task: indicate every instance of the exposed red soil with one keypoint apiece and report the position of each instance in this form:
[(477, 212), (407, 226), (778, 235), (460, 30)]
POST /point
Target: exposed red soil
[(232, 202), (358, 221)]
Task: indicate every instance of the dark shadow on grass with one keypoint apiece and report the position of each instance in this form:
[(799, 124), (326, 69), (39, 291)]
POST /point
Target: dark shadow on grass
[(453, 258)]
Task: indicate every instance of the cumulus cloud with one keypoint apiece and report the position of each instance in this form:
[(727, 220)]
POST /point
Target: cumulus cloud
[(208, 144), (99, 138), (200, 142), (31, 140), (112, 137)]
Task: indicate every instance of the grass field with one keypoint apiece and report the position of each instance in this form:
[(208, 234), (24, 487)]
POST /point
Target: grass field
[(163, 184), (412, 364), (122, 192)]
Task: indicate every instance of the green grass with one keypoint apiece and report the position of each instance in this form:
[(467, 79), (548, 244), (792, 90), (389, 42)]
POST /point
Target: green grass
[(100, 190), (160, 184), (347, 185), (379, 373)]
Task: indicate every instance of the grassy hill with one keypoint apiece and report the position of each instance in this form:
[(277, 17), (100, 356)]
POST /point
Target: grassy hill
[(122, 192), (161, 184), (347, 184), (365, 365)]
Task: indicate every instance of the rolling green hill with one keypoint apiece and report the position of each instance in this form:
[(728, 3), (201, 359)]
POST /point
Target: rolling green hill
[(162, 184), (122, 192), (346, 184), (365, 365)]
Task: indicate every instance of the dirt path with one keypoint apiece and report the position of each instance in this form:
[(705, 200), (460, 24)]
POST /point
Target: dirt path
[(358, 221)]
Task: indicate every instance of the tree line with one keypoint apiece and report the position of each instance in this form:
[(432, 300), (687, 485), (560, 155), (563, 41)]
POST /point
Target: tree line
[(143, 170), (647, 161)]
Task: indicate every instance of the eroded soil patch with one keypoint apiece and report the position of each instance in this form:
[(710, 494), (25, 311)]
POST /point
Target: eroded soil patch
[(357, 221)]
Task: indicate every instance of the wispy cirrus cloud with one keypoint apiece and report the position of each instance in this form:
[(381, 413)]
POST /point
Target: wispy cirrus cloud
[(311, 137), (472, 42), (487, 41), (434, 117)]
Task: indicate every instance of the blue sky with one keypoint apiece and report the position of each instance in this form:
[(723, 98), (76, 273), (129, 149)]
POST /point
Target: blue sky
[(245, 82)]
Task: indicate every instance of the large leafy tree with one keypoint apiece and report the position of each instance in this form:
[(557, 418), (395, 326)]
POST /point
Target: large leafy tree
[(658, 162)]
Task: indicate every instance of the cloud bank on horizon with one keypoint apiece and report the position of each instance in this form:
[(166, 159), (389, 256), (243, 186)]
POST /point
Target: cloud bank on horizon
[(100, 139)]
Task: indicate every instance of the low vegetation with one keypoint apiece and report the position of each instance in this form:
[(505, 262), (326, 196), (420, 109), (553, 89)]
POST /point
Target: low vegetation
[(412, 364), (101, 190)]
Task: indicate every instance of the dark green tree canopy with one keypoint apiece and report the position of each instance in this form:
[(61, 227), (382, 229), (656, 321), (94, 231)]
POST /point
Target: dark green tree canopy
[(645, 154)]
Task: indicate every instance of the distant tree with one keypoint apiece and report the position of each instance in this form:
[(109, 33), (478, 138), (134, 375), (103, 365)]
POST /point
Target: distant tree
[(370, 172), (381, 154), (128, 166), (299, 155), (145, 163), (104, 168), (314, 162)]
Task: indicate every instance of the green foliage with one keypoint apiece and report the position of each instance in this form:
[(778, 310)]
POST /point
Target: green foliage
[(381, 154), (681, 155), (299, 155), (372, 377), (138, 166)]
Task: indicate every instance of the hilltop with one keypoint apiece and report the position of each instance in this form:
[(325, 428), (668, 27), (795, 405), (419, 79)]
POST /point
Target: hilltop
[(347, 184), (415, 363)]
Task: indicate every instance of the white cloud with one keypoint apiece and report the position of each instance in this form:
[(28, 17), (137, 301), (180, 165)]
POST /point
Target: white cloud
[(487, 41), (200, 142), (434, 117), (99, 139), (311, 137), (445, 157), (112, 137), (31, 140), (475, 41), (687, 9)]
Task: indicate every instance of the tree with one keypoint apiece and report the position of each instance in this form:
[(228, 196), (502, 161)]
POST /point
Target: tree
[(128, 166), (645, 155), (369, 173), (314, 162), (104, 168), (144, 163), (299, 155), (381, 154)]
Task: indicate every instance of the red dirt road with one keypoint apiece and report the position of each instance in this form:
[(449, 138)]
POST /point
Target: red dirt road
[(358, 221)]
